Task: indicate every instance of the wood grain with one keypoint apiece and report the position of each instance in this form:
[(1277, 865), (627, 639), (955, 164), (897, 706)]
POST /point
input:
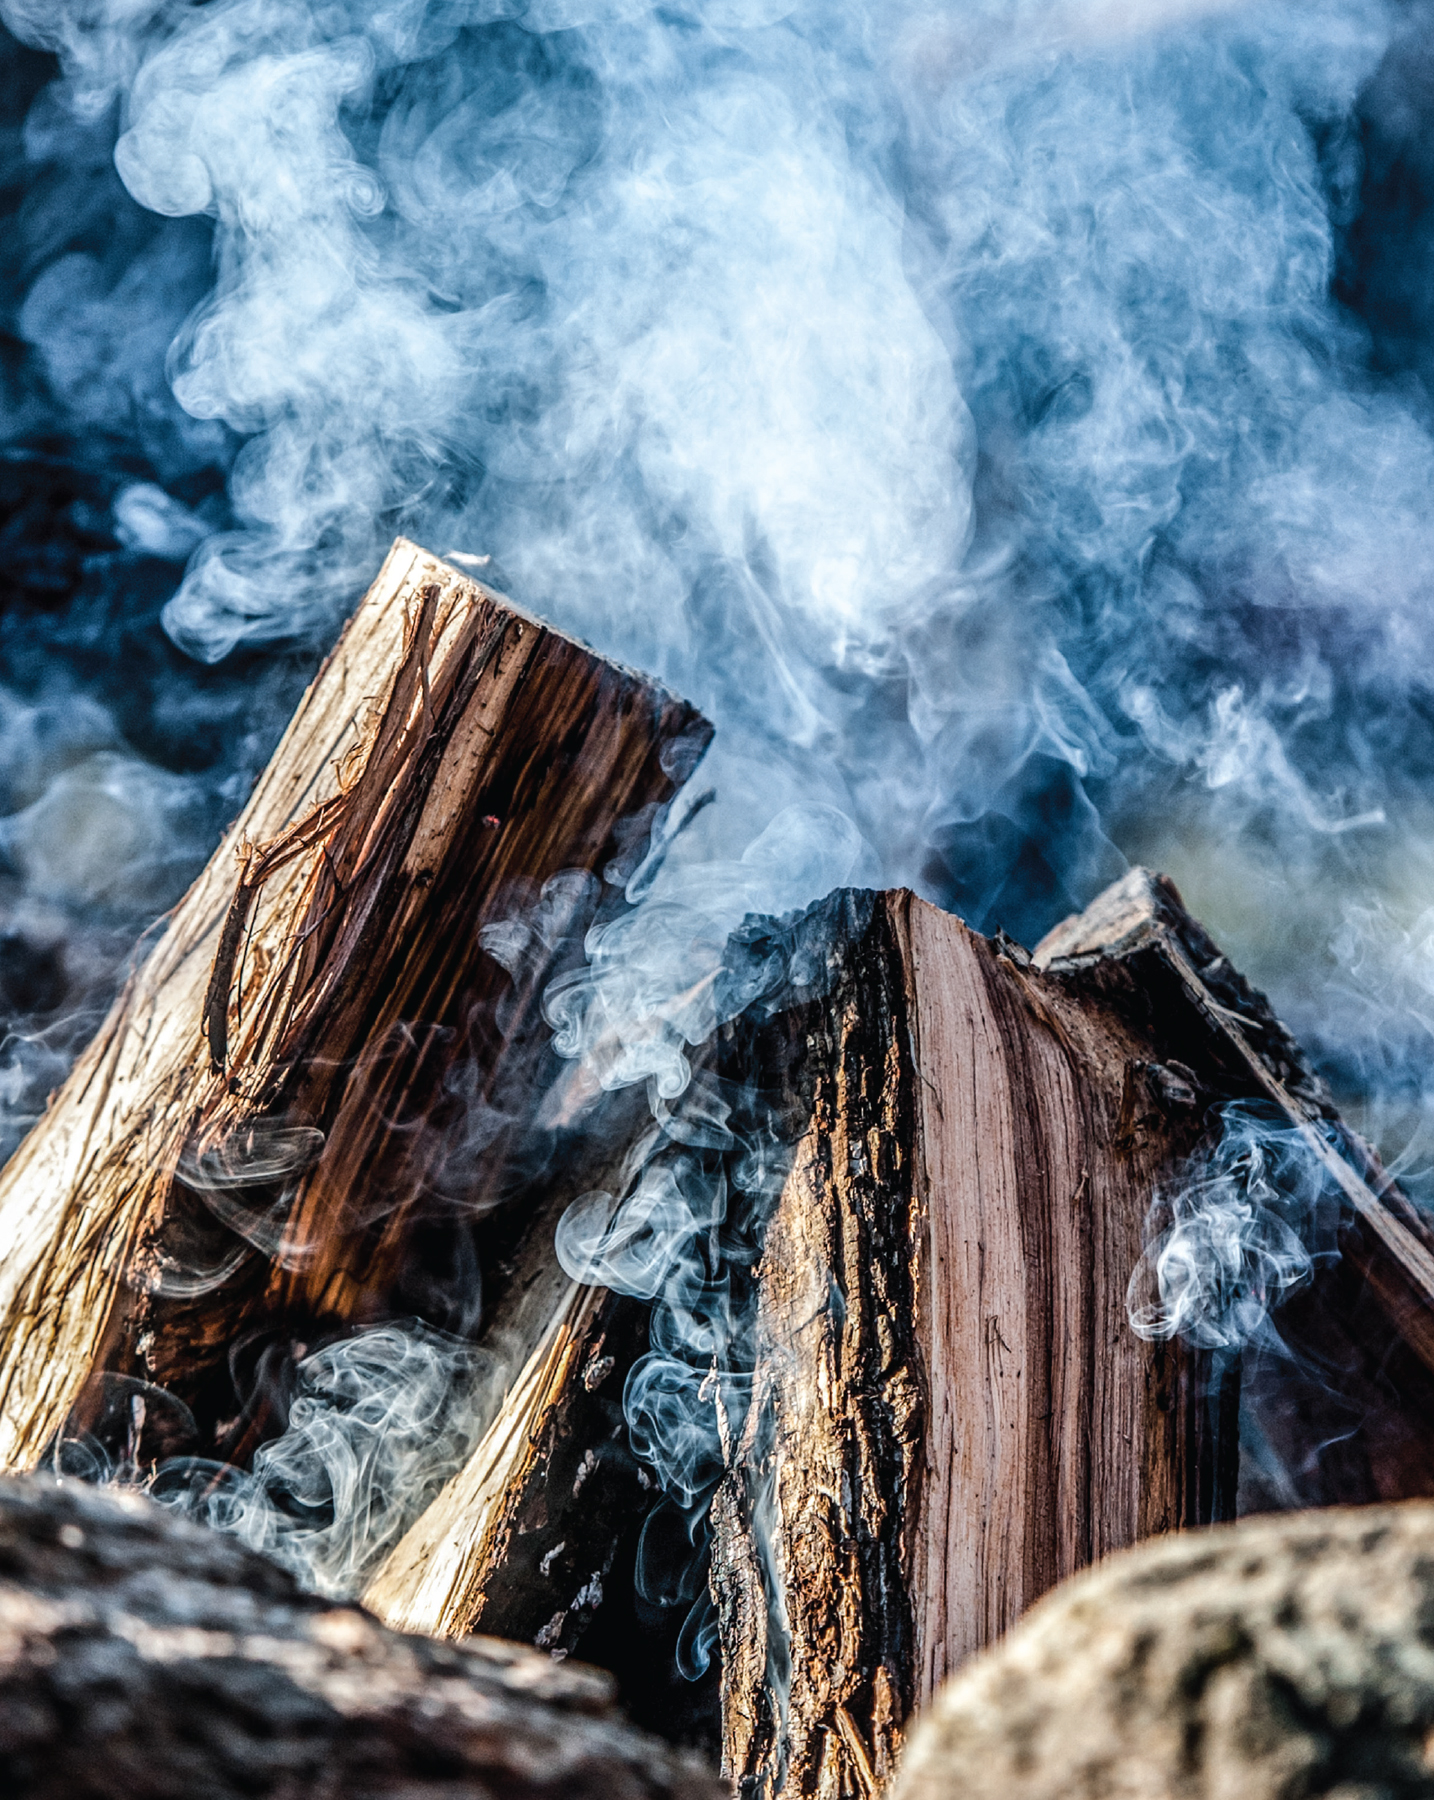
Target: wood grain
[(453, 757), (1055, 1436), (950, 1412)]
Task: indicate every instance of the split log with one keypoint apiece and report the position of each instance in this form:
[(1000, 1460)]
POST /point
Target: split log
[(1335, 1402), (146, 1657), (950, 1411), (521, 1540), (281, 1177)]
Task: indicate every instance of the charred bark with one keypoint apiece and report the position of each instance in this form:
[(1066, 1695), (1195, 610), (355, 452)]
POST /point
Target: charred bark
[(521, 1541), (950, 1411)]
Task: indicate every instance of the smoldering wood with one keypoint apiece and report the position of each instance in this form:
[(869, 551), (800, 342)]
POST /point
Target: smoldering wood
[(144, 1656), (976, 1147), (252, 1143), (950, 1411), (535, 1537)]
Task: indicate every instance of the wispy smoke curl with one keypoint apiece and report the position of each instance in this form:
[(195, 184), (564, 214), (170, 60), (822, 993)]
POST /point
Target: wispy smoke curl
[(685, 1228), (377, 1424), (1245, 1227)]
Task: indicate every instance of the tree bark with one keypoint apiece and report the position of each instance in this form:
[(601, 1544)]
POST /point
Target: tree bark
[(950, 1411), (264, 1144), (145, 1658)]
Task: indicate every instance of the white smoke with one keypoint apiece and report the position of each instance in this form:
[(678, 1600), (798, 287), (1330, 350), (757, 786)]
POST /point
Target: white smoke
[(1246, 1226), (699, 321), (953, 405), (378, 1423)]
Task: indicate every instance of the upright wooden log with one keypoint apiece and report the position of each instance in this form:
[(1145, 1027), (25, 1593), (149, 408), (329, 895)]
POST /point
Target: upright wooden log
[(254, 1143), (950, 1410)]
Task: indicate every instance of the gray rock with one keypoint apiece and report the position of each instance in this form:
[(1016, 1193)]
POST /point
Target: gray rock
[(146, 1658), (1278, 1659)]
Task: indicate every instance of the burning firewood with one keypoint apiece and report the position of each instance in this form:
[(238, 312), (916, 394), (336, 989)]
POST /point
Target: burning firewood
[(949, 1409), (927, 1403), (252, 1154)]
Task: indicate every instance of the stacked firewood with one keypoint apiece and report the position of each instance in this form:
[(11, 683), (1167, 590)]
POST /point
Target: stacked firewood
[(328, 1102)]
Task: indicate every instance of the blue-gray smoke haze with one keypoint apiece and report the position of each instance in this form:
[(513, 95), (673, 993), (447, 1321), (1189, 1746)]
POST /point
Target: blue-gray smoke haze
[(1009, 423)]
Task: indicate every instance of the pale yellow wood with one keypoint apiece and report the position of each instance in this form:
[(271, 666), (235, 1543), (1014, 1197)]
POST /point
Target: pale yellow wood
[(426, 1580), (73, 1192)]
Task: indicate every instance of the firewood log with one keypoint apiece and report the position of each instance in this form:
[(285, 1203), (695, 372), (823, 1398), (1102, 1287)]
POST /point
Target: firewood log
[(251, 1147), (520, 1541), (950, 1410)]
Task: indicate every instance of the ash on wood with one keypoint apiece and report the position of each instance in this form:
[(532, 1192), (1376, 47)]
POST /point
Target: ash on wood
[(951, 1412), (145, 1658), (253, 1151)]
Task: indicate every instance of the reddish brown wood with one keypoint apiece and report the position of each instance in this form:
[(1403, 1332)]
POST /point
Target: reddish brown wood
[(950, 1411)]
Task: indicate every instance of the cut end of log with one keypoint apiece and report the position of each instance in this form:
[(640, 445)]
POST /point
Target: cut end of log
[(329, 979), (1117, 921)]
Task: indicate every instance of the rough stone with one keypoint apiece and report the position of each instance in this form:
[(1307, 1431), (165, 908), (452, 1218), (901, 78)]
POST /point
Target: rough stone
[(146, 1658), (1281, 1658)]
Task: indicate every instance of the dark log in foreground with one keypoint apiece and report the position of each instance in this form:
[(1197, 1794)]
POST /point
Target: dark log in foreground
[(253, 1153), (951, 1412), (144, 1658)]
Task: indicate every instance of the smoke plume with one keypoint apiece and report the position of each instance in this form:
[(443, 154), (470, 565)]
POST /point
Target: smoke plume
[(1008, 424)]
